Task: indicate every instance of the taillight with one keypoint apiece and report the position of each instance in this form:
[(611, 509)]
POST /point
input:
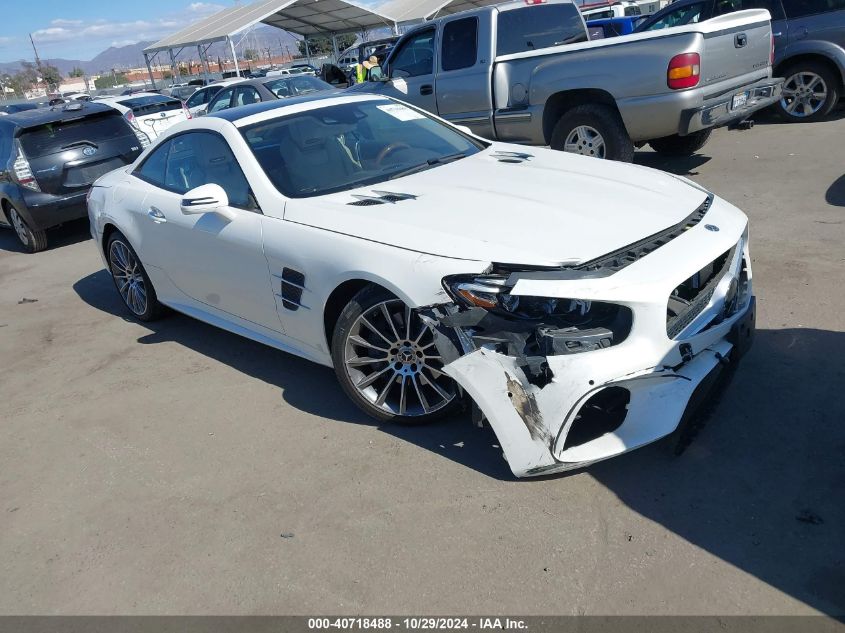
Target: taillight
[(143, 138), (533, 2), (187, 112), (772, 55), (130, 117), (684, 71), (23, 172)]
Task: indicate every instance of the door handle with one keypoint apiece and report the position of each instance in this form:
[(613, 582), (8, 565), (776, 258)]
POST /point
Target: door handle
[(426, 89), (157, 216), (740, 40)]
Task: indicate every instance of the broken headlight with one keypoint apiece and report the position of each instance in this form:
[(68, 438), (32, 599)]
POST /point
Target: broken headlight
[(492, 293)]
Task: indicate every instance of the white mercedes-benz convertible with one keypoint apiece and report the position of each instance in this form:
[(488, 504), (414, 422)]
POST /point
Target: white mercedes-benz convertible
[(582, 307)]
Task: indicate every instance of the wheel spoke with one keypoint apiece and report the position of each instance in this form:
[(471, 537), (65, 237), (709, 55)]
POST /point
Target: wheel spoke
[(369, 380), (402, 402), (357, 340), (358, 361), (434, 386), (435, 372), (373, 329), (407, 323), (387, 317), (383, 395), (420, 396)]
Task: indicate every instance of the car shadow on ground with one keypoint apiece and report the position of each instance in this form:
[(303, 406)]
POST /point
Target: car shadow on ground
[(64, 235), (679, 165), (835, 195), (760, 486)]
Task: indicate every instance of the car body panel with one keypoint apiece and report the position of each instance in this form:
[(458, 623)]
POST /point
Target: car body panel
[(229, 269)]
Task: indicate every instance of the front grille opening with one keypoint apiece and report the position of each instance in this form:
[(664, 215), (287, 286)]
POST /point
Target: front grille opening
[(602, 413), (690, 298)]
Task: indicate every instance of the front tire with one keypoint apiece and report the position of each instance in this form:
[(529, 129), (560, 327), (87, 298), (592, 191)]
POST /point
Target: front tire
[(676, 145), (33, 241), (131, 280), (386, 362), (810, 92), (593, 130)]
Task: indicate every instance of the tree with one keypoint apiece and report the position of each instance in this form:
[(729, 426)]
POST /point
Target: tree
[(51, 75), (251, 54), (76, 72), (109, 81), (323, 46)]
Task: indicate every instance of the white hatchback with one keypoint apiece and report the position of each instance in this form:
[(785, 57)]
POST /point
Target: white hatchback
[(150, 112)]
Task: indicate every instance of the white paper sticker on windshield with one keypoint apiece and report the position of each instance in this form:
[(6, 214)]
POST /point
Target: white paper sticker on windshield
[(400, 112)]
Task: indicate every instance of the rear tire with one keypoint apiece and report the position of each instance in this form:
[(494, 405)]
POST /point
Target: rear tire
[(385, 360), (810, 91), (131, 280), (681, 145), (593, 130), (33, 241)]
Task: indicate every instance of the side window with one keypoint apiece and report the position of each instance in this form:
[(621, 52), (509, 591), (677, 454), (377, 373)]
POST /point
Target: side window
[(729, 6), (460, 44), (800, 8), (246, 95), (689, 14), (200, 158), (416, 57), (197, 99), (221, 101), (153, 168)]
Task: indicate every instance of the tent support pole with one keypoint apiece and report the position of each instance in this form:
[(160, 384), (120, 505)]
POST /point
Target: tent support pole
[(150, 70), (234, 56)]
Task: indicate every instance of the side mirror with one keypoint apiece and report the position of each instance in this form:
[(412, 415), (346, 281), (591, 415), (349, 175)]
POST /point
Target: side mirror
[(464, 129), (210, 198)]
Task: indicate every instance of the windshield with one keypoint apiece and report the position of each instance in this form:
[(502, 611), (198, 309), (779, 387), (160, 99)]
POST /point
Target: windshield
[(296, 86), (152, 104), (351, 145)]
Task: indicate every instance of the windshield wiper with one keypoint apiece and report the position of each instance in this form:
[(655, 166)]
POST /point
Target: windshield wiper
[(431, 162)]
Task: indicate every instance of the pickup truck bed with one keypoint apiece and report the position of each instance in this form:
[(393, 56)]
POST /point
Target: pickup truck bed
[(597, 97)]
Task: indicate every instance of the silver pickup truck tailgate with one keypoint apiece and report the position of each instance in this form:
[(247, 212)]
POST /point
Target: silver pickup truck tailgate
[(736, 46)]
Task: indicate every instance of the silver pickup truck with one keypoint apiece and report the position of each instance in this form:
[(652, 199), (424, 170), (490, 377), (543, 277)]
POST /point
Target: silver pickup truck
[(526, 72)]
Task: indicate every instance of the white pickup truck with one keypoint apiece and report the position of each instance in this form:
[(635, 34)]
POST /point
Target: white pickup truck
[(526, 72)]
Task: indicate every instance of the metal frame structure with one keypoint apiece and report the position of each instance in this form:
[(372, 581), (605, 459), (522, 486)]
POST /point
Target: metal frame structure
[(327, 18)]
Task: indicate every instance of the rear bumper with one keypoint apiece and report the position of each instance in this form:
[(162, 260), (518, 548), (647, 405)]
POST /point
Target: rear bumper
[(717, 112), (43, 210)]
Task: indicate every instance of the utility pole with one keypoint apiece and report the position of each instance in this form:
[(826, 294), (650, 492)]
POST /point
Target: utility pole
[(35, 50)]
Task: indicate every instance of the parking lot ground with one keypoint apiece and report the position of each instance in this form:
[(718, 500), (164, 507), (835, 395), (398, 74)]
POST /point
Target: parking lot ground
[(175, 468)]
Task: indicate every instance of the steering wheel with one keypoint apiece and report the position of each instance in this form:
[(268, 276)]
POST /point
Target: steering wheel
[(388, 150)]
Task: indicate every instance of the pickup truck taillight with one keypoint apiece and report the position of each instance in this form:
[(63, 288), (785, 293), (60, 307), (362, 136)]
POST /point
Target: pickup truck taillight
[(684, 71)]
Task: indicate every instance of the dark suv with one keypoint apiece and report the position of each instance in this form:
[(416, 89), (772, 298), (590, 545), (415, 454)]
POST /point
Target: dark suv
[(809, 46), (50, 156)]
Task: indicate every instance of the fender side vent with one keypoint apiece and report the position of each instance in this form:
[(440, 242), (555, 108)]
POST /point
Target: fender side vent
[(381, 197), (293, 283), (602, 413), (512, 157)]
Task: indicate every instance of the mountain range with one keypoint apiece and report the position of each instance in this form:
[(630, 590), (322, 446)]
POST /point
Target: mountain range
[(259, 38)]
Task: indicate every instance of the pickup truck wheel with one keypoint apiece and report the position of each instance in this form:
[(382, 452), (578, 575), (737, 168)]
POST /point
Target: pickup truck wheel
[(681, 145), (33, 241), (810, 92), (593, 130), (385, 360)]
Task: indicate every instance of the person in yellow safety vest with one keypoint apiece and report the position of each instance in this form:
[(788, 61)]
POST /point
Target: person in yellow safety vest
[(368, 69)]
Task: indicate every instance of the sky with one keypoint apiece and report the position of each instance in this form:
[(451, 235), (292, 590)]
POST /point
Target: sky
[(79, 29)]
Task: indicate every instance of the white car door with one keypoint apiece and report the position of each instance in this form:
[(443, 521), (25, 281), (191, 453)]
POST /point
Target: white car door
[(216, 260)]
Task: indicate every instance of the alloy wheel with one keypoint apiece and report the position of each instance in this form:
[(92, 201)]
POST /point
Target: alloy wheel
[(19, 226), (585, 140), (391, 359), (126, 270), (804, 94)]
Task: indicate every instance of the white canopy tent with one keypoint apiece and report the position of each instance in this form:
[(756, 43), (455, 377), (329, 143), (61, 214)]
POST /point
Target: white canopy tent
[(305, 18), (409, 11)]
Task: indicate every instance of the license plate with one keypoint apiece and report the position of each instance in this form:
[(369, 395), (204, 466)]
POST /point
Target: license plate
[(739, 100)]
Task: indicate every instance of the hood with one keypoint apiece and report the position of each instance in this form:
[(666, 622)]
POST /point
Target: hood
[(552, 208)]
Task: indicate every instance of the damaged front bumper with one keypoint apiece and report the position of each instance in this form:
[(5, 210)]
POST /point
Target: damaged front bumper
[(597, 404)]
